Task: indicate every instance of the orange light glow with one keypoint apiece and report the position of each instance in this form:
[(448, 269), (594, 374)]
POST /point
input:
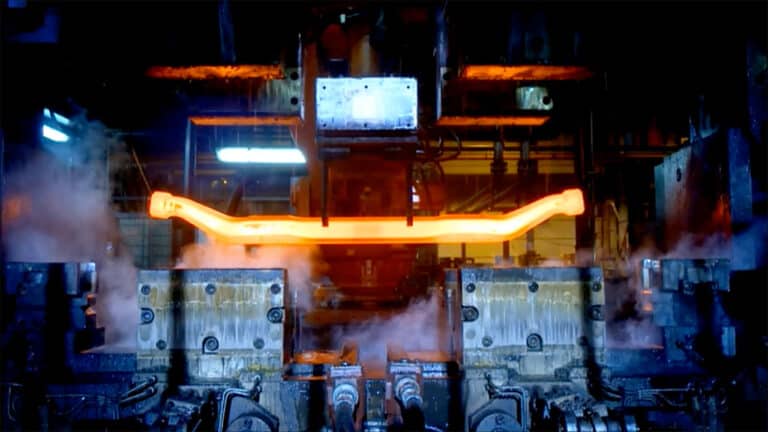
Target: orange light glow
[(208, 72), (646, 292), (291, 230), (245, 120), (525, 72), (13, 208), (485, 121)]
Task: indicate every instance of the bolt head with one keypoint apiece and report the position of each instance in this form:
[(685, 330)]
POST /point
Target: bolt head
[(533, 286), (211, 344), (147, 316), (275, 315), (275, 289)]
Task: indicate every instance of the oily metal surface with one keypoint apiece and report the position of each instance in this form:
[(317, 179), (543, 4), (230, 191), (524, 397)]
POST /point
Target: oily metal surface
[(534, 320), (222, 323)]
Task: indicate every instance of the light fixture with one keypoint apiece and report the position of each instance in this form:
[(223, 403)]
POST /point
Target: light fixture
[(54, 135), (261, 155), (54, 125), (56, 116), (415, 195)]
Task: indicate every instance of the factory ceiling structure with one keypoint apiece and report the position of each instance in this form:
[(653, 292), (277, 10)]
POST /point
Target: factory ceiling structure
[(382, 216)]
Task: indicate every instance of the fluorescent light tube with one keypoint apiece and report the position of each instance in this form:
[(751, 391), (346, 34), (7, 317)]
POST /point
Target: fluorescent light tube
[(261, 155)]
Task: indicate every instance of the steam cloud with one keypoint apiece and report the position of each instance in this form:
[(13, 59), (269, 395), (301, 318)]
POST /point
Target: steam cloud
[(302, 263), (631, 326), (57, 211), (417, 328)]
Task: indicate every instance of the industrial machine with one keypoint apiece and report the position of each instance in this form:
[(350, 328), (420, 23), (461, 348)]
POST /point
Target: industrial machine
[(353, 303), (513, 349)]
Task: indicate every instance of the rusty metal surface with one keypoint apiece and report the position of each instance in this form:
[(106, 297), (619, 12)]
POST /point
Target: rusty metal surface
[(692, 197), (533, 320), (525, 72), (533, 98), (182, 310), (371, 103), (677, 274), (282, 120), (677, 288), (487, 121), (207, 72)]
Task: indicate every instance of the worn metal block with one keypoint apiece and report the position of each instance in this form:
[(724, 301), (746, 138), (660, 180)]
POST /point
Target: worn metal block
[(540, 319), (376, 103), (217, 324), (687, 303), (48, 303), (686, 275)]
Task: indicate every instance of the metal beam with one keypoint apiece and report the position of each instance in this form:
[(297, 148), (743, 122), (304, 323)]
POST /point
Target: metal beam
[(492, 121), (525, 73), (276, 120), (190, 150), (213, 72)]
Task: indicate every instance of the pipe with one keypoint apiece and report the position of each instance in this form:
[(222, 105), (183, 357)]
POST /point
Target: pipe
[(324, 193), (413, 418), (344, 418), (408, 393), (188, 159), (345, 399), (226, 33), (235, 199), (289, 229), (409, 194), (449, 309), (138, 397), (2, 191), (441, 59), (140, 387)]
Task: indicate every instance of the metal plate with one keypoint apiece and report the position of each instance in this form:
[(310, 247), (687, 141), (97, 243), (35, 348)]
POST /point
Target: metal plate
[(366, 104), (189, 307), (513, 304), (533, 98), (686, 274)]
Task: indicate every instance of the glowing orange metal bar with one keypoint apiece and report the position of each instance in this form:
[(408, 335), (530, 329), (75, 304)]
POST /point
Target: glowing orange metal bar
[(366, 230)]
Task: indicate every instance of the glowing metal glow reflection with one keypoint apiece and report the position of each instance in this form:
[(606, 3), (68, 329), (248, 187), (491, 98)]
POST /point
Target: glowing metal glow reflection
[(366, 230)]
